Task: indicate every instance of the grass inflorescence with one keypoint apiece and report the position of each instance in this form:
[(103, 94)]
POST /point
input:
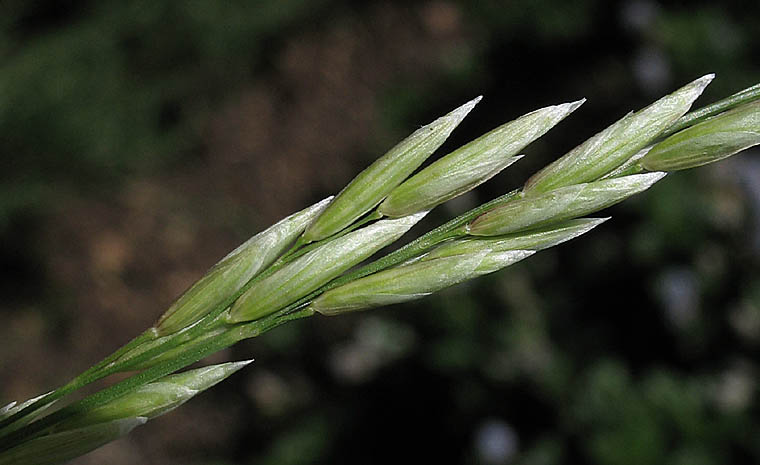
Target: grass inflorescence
[(315, 261)]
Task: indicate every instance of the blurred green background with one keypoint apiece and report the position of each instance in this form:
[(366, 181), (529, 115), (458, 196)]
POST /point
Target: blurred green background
[(142, 140)]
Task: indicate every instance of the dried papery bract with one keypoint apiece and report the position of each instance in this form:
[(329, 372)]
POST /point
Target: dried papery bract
[(373, 184), (228, 276), (615, 145), (308, 272), (709, 141), (560, 204), (472, 164)]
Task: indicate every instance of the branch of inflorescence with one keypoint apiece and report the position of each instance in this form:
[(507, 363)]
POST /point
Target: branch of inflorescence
[(212, 333)]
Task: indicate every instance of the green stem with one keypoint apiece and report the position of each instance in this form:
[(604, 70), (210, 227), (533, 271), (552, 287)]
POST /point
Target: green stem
[(192, 354), (110, 393), (115, 363), (88, 376)]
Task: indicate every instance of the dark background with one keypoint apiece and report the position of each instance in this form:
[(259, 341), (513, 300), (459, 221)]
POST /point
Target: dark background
[(142, 140)]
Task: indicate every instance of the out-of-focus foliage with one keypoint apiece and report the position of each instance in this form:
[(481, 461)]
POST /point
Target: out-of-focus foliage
[(95, 90), (142, 141)]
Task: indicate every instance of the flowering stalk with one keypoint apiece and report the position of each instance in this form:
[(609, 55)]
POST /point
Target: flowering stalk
[(302, 265)]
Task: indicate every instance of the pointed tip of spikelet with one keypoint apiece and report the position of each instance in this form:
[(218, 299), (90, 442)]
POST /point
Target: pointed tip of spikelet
[(460, 113)]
